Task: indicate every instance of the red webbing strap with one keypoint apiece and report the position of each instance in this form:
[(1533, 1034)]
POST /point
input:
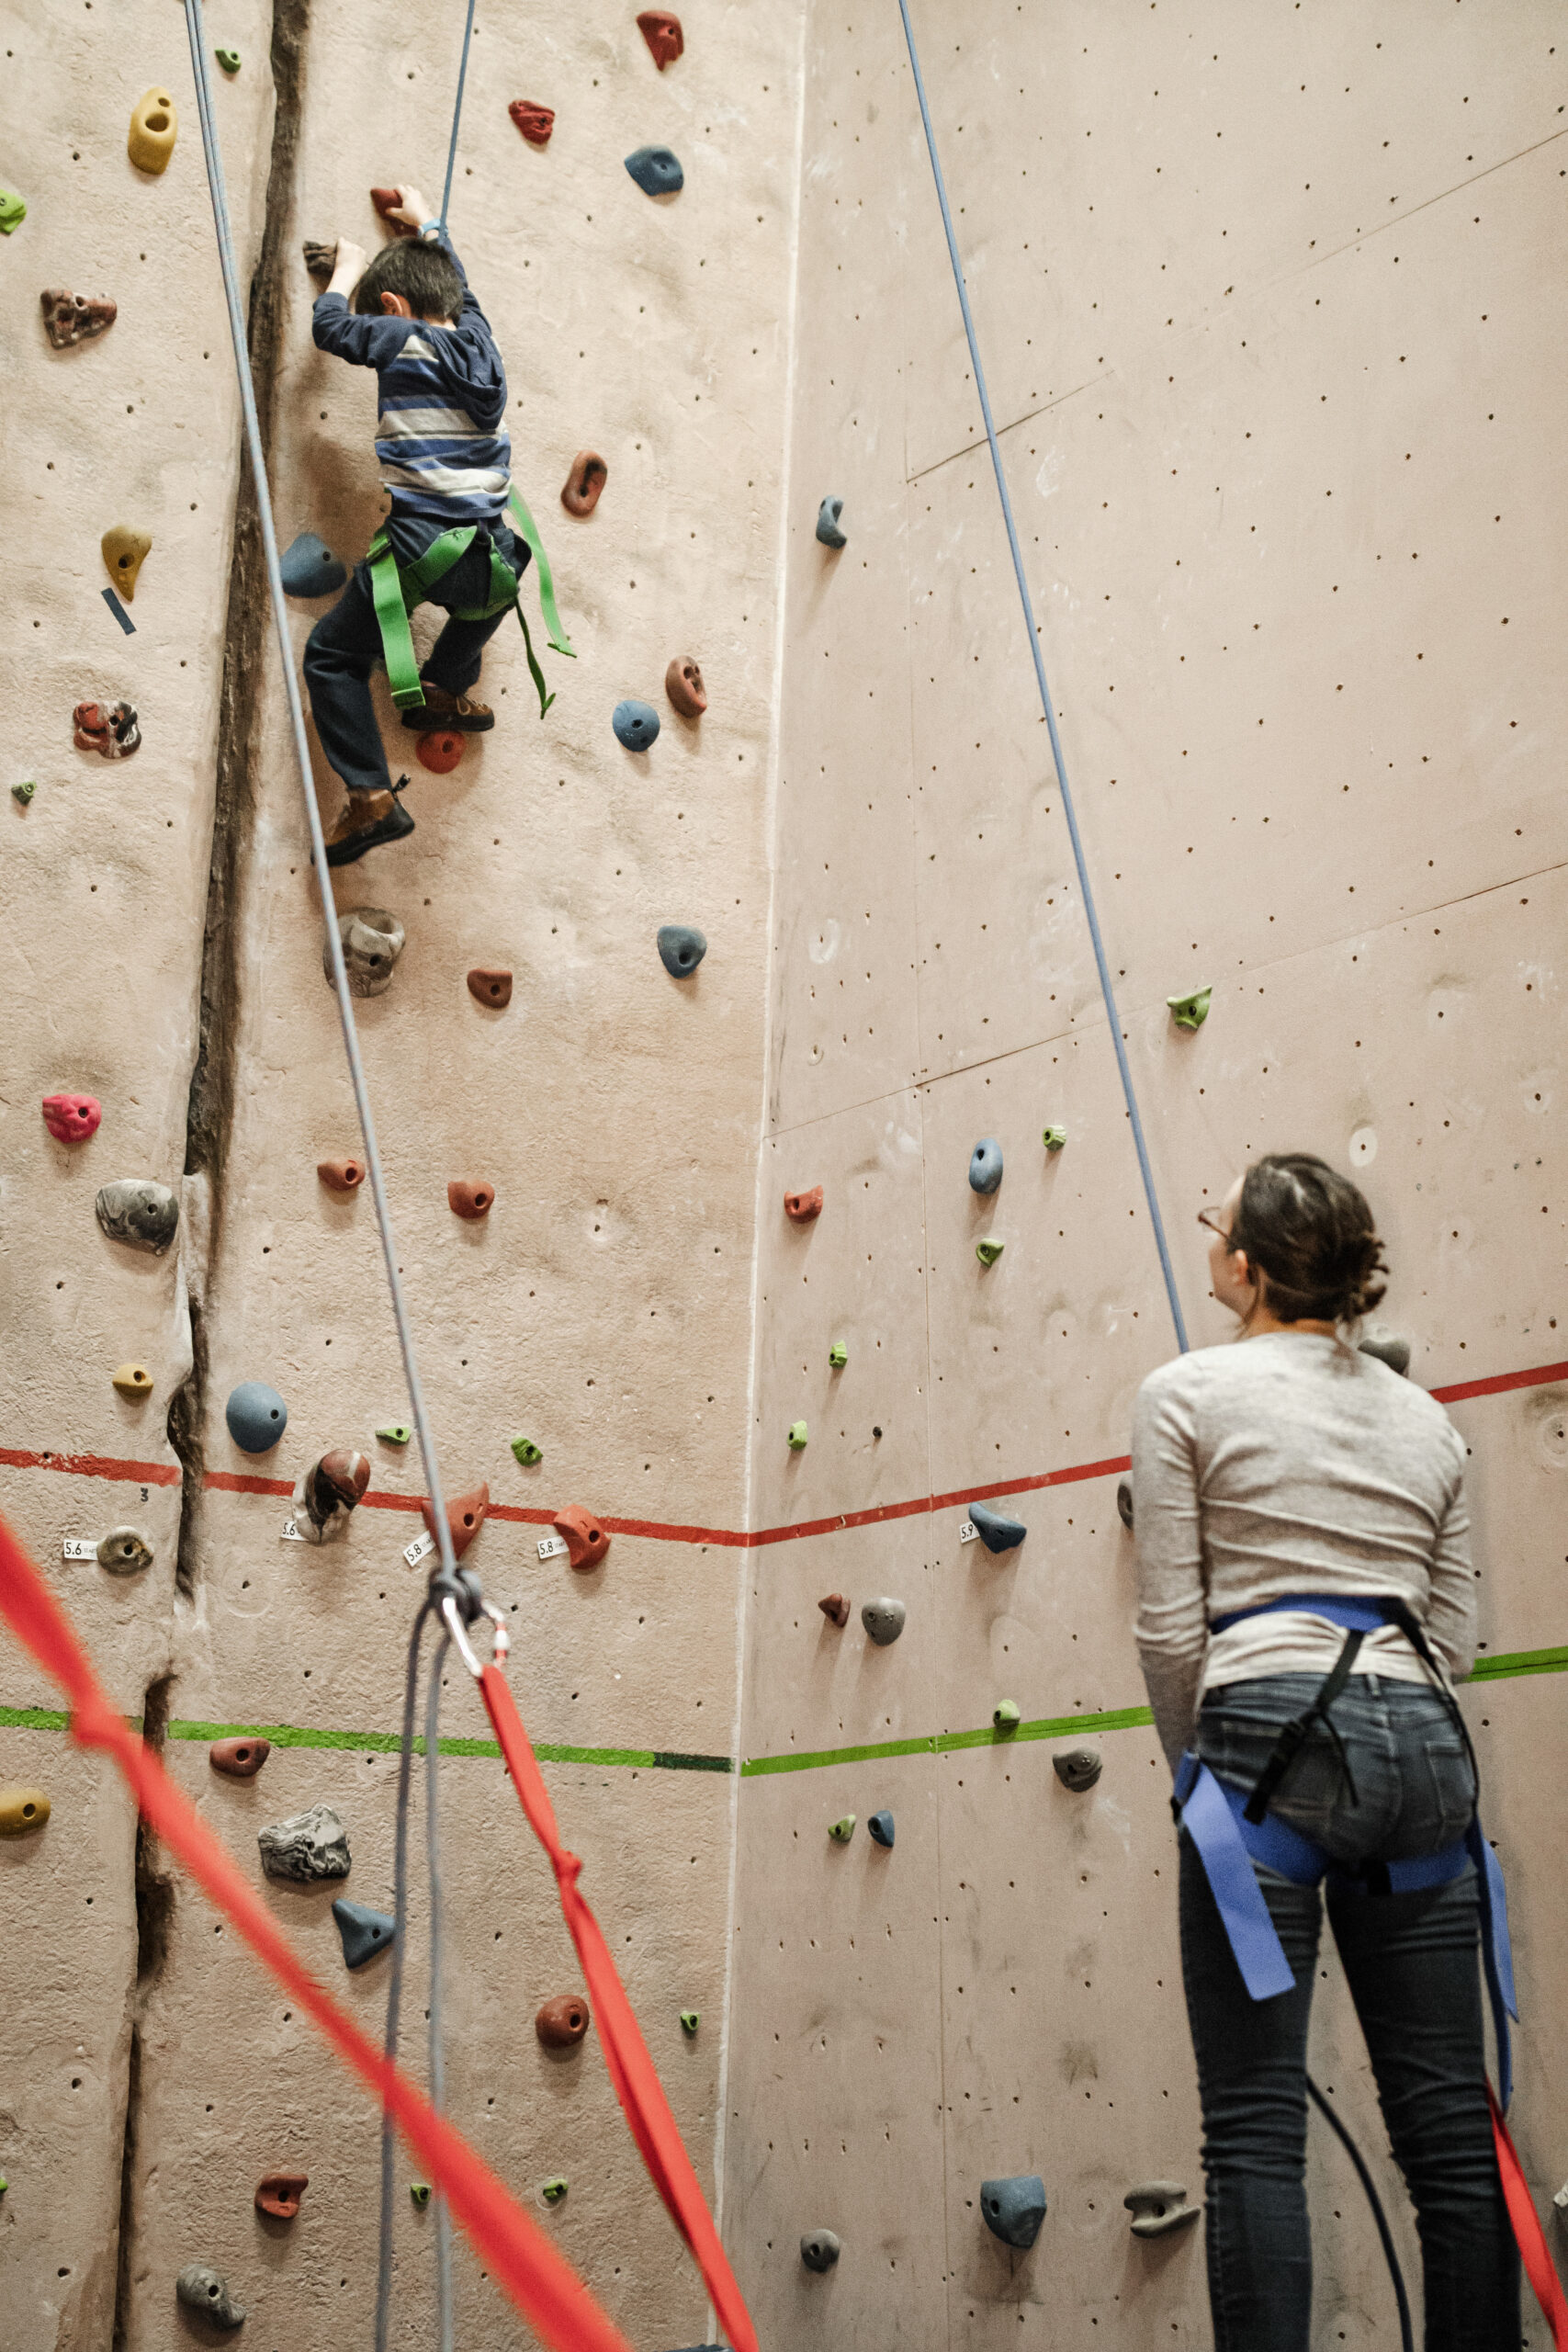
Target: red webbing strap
[(1539, 2269), (632, 2071), (542, 2284)]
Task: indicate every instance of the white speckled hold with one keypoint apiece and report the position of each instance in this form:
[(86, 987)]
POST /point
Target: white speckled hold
[(202, 2288), (305, 1847), (135, 1210), (372, 942)]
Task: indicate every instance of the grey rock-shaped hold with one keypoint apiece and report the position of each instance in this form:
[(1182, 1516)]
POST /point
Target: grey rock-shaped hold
[(880, 1826), (1389, 1347), (657, 171), (985, 1164), (997, 1532), (310, 568), (364, 1932), (135, 1210), (1014, 2209), (305, 1847), (1125, 1501), (883, 1620), (681, 949), (827, 530), (819, 2249), (1077, 1768), (1159, 2207), (124, 1551), (256, 1416), (202, 2288), (635, 724), (372, 942)]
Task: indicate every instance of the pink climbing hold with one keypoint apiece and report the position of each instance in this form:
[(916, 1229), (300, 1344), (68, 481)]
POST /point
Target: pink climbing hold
[(586, 1541), (662, 33), (465, 1516), (341, 1175), (75, 317), (440, 750), (535, 122), (71, 1118), (383, 198), (802, 1207)]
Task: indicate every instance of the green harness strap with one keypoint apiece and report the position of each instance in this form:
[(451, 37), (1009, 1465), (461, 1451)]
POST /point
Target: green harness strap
[(396, 593)]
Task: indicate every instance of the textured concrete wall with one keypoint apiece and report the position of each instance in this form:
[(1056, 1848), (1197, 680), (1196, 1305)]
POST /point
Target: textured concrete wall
[(1270, 303)]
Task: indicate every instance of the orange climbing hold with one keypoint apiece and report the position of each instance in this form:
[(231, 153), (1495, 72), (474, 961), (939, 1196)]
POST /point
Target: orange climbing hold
[(440, 750), (341, 1175), (561, 2023), (535, 122), (278, 2193), (465, 1516), (835, 1608), (470, 1197), (580, 493), (585, 1538), (801, 1207), (491, 984), (662, 33)]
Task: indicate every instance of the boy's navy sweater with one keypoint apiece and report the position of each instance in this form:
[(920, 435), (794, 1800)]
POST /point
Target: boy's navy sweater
[(441, 435)]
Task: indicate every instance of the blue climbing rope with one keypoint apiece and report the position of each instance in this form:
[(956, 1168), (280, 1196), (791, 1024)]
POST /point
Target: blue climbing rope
[(1106, 989), (456, 116)]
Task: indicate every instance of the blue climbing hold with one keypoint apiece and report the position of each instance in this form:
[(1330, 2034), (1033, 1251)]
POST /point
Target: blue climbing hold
[(256, 1416), (310, 568), (635, 724), (364, 1932), (827, 529), (1014, 2209), (985, 1164), (657, 171), (997, 1533), (881, 1829), (681, 949)]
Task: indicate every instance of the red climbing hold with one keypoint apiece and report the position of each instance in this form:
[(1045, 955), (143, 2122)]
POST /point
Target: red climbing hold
[(535, 122), (279, 2193), (561, 2024), (470, 1197), (71, 1118), (440, 750), (801, 1207), (662, 33), (491, 984), (585, 1539), (465, 1516), (341, 1175), (240, 1759), (580, 493), (111, 728), (836, 1608), (383, 198)]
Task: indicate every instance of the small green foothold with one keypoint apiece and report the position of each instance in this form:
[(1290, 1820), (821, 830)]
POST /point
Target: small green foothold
[(396, 1432), (1005, 1715), (690, 2020), (552, 2191), (228, 59), (843, 1831), (797, 1434), (527, 1453), (1053, 1139), (988, 1252), (420, 2191), (13, 211), (837, 1355), (5, 2184), (1191, 1012), (23, 792)]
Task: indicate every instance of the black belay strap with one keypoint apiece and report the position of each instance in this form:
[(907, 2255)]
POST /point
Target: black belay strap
[(1293, 1737)]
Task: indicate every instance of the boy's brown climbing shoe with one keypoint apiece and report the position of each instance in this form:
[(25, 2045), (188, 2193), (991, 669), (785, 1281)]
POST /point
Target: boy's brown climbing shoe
[(442, 709), (369, 819)]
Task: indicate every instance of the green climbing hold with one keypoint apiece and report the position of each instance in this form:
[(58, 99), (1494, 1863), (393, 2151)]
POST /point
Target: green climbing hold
[(690, 2020), (552, 2191), (13, 211), (420, 2191), (527, 1452), (843, 1831), (5, 2184), (23, 792), (1005, 1715), (396, 1432), (837, 1355), (228, 59), (1053, 1139), (988, 1252), (797, 1436), (1191, 1012)]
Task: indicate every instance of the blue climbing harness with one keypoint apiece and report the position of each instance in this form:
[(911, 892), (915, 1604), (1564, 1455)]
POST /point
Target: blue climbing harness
[(1232, 1831)]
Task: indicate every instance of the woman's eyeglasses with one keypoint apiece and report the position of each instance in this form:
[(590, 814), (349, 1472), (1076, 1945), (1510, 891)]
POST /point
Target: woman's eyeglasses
[(1208, 1219)]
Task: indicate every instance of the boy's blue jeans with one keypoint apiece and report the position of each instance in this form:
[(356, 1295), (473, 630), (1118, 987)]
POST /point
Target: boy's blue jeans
[(345, 646), (1414, 1969)]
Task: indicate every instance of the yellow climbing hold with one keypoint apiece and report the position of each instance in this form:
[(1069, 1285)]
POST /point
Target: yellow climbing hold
[(22, 1811), (133, 1380), (154, 126), (125, 551)]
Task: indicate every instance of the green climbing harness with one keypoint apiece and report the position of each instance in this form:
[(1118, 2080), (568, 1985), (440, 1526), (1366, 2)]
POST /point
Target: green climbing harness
[(397, 591)]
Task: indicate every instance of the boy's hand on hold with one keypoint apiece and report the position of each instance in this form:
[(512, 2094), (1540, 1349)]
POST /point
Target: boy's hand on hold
[(412, 208), (348, 268)]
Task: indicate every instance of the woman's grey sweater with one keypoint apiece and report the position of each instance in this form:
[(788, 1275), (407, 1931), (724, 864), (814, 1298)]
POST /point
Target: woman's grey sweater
[(1291, 1462)]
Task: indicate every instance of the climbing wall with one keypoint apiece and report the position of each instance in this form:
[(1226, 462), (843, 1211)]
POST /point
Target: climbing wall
[(1270, 305)]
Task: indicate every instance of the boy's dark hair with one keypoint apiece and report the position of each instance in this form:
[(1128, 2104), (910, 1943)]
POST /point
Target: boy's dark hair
[(1311, 1231), (421, 274)]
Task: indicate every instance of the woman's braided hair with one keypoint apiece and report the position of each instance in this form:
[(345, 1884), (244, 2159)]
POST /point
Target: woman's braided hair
[(1311, 1231)]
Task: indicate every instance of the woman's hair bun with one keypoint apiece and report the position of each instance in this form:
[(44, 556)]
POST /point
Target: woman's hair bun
[(1310, 1231)]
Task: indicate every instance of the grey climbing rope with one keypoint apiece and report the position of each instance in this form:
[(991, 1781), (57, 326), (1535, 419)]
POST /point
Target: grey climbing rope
[(1085, 886), (456, 116), (395, 1979), (437, 2045)]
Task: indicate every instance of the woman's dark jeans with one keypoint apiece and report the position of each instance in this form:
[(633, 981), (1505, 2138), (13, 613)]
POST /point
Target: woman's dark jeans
[(1413, 1964)]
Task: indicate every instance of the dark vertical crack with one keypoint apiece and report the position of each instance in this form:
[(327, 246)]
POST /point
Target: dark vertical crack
[(154, 1920)]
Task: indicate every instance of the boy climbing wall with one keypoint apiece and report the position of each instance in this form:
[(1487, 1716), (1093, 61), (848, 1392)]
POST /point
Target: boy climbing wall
[(445, 459)]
